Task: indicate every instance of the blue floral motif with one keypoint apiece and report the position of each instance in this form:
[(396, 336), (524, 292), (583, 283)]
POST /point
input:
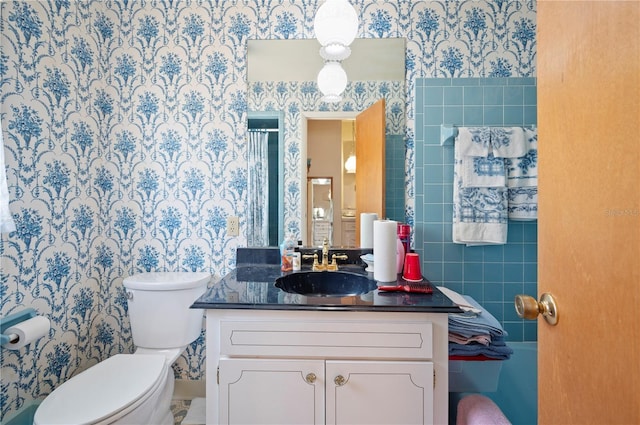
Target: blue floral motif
[(240, 26), (26, 123), (148, 104), (103, 179), (83, 303), (194, 258), (104, 334), (148, 181), (476, 21), (216, 220), (103, 25), (238, 103), (193, 27), (148, 258), (171, 66), (170, 142), (82, 52), (57, 361), (216, 65), (193, 104), (428, 22), (380, 23), (451, 60), (286, 25), (82, 220), (104, 257), (58, 268), (216, 142), (104, 102), (82, 135), (194, 181), (125, 220), (171, 220), (28, 225), (57, 83), (26, 20), (500, 68), (57, 176), (239, 181), (125, 67), (148, 28), (525, 32), (125, 143)]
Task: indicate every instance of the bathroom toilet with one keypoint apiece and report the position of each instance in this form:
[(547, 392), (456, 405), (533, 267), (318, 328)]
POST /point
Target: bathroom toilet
[(135, 388)]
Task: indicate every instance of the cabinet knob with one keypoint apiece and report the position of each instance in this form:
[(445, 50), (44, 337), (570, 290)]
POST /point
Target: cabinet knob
[(339, 380), (310, 378)]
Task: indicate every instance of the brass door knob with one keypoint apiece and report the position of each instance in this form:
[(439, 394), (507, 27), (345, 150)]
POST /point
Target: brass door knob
[(310, 378), (528, 308), (339, 380)]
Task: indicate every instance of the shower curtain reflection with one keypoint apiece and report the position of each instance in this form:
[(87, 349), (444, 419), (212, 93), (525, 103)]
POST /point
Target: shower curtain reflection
[(258, 189)]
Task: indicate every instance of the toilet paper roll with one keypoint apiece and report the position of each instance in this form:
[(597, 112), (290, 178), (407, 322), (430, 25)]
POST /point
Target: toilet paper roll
[(366, 229), (28, 331), (385, 255)]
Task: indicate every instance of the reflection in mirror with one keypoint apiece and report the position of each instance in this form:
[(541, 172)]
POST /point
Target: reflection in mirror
[(280, 81), (320, 209)]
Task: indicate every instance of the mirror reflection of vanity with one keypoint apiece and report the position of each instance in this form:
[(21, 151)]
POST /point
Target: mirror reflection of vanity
[(320, 201), (281, 75)]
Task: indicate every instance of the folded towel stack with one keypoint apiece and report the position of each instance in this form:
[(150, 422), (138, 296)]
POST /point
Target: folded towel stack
[(493, 181), (472, 335)]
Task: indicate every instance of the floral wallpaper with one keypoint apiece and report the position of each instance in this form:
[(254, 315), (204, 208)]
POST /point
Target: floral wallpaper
[(125, 146)]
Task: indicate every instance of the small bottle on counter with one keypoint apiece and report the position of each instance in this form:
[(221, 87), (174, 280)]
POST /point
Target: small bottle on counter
[(287, 249)]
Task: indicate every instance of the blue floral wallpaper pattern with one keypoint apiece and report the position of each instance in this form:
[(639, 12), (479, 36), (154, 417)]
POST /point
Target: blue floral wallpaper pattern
[(125, 146)]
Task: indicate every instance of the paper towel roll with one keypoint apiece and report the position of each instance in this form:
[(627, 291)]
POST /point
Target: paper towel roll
[(366, 229), (385, 255), (28, 331)]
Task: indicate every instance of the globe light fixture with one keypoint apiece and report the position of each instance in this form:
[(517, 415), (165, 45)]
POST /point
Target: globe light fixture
[(332, 80), (335, 26), (350, 164)]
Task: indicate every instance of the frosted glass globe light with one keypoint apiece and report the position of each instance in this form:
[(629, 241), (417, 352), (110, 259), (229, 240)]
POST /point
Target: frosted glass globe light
[(336, 26), (332, 80), (350, 164)]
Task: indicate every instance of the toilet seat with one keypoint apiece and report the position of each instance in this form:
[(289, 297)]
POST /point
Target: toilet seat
[(104, 392)]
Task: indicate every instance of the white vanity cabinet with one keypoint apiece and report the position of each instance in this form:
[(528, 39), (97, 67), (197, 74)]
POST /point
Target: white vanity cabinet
[(326, 367)]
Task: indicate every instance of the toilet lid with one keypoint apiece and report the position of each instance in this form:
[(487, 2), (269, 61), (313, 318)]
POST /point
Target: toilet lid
[(102, 390)]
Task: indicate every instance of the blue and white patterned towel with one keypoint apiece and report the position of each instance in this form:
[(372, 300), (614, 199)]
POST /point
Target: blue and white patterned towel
[(508, 142), (479, 213), (480, 171), (522, 180)]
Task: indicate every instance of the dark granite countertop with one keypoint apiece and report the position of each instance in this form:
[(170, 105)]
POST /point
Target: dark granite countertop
[(253, 286)]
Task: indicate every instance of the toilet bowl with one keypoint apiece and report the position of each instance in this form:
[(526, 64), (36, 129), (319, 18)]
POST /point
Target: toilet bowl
[(135, 388)]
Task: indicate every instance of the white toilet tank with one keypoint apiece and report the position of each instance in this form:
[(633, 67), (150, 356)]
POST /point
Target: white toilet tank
[(159, 308)]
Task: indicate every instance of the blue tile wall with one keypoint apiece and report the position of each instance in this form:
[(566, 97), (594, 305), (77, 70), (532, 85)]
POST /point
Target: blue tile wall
[(492, 275)]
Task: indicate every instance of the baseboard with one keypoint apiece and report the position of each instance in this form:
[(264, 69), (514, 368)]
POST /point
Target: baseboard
[(186, 389)]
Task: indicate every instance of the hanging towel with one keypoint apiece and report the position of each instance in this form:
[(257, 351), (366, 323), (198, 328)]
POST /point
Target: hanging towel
[(523, 170), (481, 171), (508, 142), (522, 180), (473, 141), (479, 213)]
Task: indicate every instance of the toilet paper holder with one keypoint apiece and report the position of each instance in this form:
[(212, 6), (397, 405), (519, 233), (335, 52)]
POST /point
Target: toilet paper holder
[(12, 320)]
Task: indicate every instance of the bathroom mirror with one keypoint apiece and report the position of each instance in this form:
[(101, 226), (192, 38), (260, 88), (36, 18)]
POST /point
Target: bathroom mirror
[(280, 73)]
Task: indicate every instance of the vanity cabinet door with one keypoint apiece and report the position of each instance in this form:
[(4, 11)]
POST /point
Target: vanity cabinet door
[(378, 392), (271, 391)]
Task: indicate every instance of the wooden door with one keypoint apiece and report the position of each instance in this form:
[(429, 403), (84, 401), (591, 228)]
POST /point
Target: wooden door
[(370, 162), (377, 392), (589, 211)]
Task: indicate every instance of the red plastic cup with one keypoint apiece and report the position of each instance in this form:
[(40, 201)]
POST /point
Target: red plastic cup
[(412, 270)]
